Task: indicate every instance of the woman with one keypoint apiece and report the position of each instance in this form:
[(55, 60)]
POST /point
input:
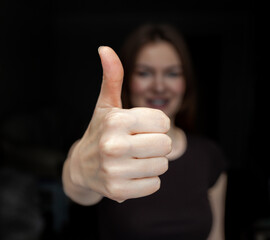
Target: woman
[(125, 153)]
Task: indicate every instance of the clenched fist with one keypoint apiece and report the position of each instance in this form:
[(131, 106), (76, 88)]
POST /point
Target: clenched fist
[(123, 151)]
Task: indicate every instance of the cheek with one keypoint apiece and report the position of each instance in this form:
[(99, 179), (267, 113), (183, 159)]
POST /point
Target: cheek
[(137, 86), (137, 90), (178, 88), (178, 91)]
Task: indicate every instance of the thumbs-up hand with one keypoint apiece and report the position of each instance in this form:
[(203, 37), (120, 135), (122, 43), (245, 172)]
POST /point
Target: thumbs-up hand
[(123, 151)]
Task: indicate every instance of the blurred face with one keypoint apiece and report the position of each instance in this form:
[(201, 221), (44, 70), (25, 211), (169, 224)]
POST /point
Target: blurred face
[(158, 81)]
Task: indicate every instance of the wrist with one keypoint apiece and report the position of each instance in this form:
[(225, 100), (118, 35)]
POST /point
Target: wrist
[(76, 193)]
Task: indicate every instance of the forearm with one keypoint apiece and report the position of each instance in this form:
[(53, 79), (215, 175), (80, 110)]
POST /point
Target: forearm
[(217, 196), (77, 193)]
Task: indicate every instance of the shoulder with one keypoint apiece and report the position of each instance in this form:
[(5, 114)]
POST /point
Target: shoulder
[(208, 150), (210, 153), (202, 143)]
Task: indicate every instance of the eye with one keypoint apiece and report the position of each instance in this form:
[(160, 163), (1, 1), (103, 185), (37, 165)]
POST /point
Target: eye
[(174, 74), (143, 74)]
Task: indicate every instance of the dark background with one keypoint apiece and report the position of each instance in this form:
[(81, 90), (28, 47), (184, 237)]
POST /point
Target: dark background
[(50, 76)]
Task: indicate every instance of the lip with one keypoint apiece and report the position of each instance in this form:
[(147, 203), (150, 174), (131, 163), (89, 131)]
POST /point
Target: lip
[(158, 103)]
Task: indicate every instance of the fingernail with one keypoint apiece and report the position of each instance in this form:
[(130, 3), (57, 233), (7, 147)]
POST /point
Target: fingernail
[(99, 48)]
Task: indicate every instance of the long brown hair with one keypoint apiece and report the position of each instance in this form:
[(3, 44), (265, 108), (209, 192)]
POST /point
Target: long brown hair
[(148, 33)]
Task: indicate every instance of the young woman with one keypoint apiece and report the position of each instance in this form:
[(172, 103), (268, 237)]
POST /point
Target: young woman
[(174, 180)]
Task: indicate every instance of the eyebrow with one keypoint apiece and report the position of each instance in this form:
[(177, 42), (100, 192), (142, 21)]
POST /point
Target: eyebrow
[(170, 67)]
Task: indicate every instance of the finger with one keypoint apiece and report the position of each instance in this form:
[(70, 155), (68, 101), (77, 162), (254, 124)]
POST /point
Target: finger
[(149, 120), (110, 93), (150, 145), (142, 187), (150, 167), (136, 168), (137, 120), (134, 188)]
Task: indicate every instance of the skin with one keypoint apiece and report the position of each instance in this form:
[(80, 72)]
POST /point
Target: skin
[(158, 82), (124, 151), (110, 159)]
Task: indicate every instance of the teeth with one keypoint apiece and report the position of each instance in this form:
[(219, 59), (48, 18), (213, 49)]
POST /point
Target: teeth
[(158, 102)]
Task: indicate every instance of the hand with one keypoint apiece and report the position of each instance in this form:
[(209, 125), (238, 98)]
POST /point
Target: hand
[(123, 151)]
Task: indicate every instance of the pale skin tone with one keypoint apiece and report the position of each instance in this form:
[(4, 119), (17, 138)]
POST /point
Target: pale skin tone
[(124, 151)]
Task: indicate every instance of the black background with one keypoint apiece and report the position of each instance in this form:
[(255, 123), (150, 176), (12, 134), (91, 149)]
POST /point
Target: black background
[(50, 79)]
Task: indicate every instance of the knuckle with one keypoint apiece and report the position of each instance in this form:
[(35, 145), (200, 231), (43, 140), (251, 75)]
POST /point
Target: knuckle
[(114, 191), (116, 119), (111, 169), (112, 119), (165, 121), (105, 168), (113, 146)]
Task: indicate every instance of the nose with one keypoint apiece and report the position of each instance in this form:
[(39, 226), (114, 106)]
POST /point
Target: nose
[(159, 84)]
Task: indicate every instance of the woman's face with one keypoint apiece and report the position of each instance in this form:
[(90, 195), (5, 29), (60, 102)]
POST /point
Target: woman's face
[(157, 80)]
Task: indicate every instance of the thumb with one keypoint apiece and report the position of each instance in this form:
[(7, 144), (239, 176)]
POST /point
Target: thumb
[(110, 93)]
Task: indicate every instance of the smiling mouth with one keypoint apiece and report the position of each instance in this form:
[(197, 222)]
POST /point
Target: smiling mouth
[(157, 103)]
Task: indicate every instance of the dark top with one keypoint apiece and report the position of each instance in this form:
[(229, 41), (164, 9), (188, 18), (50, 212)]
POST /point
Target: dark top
[(179, 210)]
